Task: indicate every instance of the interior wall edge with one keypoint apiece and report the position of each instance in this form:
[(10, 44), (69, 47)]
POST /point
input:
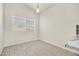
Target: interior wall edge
[(30, 8), (1, 27)]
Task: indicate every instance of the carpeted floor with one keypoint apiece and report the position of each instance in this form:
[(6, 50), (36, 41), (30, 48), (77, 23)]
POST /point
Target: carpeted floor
[(35, 48)]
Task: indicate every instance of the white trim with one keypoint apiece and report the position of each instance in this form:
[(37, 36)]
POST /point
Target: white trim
[(62, 47)]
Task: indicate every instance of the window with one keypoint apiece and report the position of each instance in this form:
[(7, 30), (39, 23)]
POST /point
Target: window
[(23, 24)]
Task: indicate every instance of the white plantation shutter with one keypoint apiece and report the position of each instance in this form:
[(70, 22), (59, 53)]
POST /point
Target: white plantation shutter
[(23, 24)]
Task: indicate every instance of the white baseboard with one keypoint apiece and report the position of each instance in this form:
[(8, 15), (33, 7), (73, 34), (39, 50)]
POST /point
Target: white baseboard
[(1, 49), (74, 51), (19, 42)]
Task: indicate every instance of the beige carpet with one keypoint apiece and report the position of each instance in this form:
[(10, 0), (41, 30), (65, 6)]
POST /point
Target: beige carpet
[(35, 48)]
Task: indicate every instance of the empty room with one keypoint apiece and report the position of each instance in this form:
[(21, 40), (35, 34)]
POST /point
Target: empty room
[(39, 29)]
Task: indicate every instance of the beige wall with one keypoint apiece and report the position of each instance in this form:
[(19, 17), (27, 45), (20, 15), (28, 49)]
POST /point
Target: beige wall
[(1, 27), (12, 37), (57, 25)]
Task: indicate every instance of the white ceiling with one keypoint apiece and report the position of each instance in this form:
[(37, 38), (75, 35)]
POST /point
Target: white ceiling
[(42, 6)]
